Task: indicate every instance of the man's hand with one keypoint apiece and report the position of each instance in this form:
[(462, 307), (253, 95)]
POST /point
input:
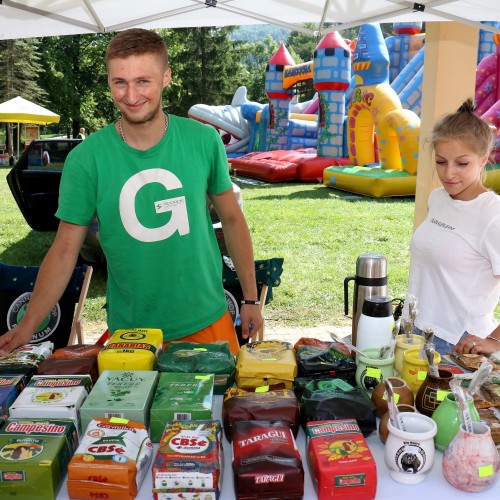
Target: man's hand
[(13, 339), (251, 320)]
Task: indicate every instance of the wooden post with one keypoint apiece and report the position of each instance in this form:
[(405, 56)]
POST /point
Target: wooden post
[(449, 78)]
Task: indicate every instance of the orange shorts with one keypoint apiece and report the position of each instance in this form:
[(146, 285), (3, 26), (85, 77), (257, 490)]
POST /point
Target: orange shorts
[(222, 329)]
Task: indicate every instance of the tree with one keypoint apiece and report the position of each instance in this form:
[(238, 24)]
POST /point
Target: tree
[(19, 70), (206, 67), (76, 82)]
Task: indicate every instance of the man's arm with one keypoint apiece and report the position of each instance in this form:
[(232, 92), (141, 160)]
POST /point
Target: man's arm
[(239, 245), (53, 277)]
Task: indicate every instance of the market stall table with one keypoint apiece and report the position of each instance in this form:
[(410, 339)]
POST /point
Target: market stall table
[(387, 489)]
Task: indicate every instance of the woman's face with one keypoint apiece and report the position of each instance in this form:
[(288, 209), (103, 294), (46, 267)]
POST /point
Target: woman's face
[(459, 169)]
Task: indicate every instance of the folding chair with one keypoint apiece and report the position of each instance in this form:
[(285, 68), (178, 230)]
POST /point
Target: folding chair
[(267, 275), (63, 325)]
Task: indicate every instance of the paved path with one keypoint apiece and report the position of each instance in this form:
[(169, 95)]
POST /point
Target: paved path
[(290, 334)]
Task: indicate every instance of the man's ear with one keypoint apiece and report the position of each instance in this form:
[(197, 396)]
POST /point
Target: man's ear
[(167, 77)]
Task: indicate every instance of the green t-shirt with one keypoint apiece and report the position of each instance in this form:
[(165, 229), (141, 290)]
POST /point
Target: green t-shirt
[(164, 265)]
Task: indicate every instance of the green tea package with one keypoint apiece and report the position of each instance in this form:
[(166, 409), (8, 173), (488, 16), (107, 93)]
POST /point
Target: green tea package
[(121, 394), (180, 396), (34, 455), (192, 357)]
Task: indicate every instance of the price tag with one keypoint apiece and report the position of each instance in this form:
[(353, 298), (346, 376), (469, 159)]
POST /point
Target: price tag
[(202, 377), (485, 470), (373, 372), (116, 420), (396, 397), (422, 374), (262, 388), (199, 349), (441, 395)]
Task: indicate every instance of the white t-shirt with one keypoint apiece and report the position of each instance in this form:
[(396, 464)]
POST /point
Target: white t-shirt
[(455, 265)]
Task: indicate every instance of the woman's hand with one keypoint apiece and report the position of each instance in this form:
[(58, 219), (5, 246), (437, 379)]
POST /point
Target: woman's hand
[(472, 344)]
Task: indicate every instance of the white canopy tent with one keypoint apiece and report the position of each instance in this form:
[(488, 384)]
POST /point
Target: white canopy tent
[(450, 57), (35, 18)]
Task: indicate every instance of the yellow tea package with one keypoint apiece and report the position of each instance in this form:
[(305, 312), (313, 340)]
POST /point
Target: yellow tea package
[(133, 349), (266, 363)]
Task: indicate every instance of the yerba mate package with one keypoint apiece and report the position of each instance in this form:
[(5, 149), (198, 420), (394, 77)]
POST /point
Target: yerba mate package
[(122, 394), (111, 460), (34, 454), (341, 464), (189, 460), (133, 349), (268, 362), (266, 462)]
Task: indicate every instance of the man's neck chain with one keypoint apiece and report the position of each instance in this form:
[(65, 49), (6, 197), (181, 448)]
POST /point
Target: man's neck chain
[(122, 135)]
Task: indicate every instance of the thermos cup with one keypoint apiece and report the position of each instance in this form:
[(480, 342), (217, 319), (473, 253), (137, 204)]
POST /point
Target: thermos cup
[(375, 322), (370, 279)]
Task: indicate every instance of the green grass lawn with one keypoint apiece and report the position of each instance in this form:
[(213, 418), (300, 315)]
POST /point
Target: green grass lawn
[(318, 231)]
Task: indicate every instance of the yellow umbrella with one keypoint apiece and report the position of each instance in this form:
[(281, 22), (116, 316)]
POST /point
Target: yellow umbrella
[(19, 110)]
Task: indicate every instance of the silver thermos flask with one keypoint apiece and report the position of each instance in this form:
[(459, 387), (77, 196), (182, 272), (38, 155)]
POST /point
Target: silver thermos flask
[(370, 279)]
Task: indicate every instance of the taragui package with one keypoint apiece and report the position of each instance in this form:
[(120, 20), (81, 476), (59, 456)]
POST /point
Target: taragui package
[(180, 396), (34, 455), (134, 349), (121, 393), (268, 362), (53, 397), (111, 461), (266, 462), (189, 461), (263, 404), (341, 464)]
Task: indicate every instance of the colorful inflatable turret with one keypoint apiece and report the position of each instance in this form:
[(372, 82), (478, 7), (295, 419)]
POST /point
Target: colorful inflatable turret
[(279, 100), (332, 75)]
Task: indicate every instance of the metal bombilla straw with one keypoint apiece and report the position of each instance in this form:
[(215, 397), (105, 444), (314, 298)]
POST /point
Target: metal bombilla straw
[(461, 400), (394, 415)]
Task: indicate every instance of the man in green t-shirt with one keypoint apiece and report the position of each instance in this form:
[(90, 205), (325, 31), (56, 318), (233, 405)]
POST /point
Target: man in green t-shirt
[(146, 177)]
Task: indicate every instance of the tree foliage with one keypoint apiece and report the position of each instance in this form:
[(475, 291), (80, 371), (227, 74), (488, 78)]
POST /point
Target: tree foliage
[(19, 70), (67, 74), (206, 67)]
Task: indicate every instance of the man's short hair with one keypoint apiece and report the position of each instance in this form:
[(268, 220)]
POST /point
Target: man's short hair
[(137, 41)]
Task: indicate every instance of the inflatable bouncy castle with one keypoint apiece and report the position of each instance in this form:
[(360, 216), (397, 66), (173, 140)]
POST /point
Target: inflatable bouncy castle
[(360, 132)]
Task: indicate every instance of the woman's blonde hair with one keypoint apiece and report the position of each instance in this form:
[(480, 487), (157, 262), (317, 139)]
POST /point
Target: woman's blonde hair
[(465, 126)]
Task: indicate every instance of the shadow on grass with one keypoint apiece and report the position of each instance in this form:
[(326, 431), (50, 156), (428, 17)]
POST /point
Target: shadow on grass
[(312, 192)]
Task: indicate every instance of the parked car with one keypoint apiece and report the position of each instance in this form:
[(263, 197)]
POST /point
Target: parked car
[(34, 182)]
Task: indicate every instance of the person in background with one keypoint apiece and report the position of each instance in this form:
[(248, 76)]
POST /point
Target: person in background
[(455, 252), (81, 135), (146, 178)]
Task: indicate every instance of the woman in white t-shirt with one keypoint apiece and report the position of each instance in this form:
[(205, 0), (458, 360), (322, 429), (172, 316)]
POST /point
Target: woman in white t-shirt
[(455, 252)]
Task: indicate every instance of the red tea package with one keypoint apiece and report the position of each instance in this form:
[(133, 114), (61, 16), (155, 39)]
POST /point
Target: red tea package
[(264, 404), (341, 464), (266, 462)]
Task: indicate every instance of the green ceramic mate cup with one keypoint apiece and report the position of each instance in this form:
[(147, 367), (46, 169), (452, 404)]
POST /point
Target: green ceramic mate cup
[(371, 370), (448, 420)]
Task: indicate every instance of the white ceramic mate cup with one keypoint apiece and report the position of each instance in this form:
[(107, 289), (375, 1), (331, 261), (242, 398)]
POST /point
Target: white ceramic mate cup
[(409, 453)]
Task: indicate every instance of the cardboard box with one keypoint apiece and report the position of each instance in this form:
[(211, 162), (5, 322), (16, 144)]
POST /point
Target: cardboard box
[(180, 396), (10, 388), (189, 461), (53, 396), (34, 455), (341, 464), (121, 394)]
